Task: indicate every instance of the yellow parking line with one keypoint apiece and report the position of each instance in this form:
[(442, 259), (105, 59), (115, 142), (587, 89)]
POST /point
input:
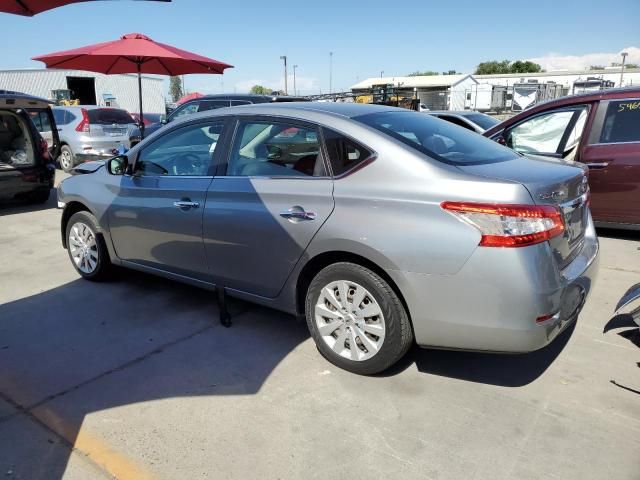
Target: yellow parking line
[(116, 464)]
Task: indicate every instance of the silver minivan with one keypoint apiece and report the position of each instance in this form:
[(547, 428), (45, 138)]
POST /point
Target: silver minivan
[(90, 132)]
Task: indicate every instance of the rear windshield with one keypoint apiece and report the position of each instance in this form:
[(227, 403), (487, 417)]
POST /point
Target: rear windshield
[(440, 140), (109, 116), (484, 121)]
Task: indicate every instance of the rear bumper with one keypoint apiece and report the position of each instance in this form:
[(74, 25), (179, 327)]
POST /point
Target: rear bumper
[(493, 302), (91, 155)]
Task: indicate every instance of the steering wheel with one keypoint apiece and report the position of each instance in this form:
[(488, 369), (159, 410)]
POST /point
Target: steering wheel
[(187, 164)]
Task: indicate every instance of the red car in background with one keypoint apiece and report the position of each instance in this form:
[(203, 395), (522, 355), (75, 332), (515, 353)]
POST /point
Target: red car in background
[(599, 129)]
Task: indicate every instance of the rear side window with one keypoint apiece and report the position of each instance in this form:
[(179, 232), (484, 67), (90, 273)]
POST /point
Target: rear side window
[(344, 153), (621, 122), (109, 116), (439, 140)]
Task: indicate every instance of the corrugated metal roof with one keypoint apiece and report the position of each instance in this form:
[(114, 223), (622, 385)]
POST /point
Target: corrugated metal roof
[(411, 82), (124, 88)]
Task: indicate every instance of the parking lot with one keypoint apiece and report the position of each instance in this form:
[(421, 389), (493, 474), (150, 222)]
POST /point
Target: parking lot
[(135, 379)]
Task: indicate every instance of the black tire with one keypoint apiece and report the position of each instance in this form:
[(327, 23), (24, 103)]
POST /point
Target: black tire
[(398, 336), (66, 159), (39, 196), (103, 265)]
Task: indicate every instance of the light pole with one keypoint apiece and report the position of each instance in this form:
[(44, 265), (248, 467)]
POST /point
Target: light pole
[(284, 57), (330, 72), (295, 92), (381, 73), (624, 56)]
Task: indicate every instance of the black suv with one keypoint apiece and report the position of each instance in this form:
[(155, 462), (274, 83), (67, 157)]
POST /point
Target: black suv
[(29, 144), (211, 102)]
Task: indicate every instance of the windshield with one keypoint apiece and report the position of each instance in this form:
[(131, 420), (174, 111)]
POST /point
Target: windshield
[(440, 140), (109, 116), (482, 120)]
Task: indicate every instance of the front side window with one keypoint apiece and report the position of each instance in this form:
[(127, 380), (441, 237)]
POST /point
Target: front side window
[(621, 122), (344, 153), (187, 151), (275, 149), (439, 140), (546, 133)]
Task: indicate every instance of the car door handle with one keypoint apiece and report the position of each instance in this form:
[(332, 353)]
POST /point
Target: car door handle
[(598, 165), (186, 204), (296, 214)]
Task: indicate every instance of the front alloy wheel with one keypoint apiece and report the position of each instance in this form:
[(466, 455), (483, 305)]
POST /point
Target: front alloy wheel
[(83, 247), (86, 247)]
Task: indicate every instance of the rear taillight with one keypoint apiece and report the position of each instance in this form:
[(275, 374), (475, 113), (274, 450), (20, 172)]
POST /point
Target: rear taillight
[(84, 125), (509, 225)]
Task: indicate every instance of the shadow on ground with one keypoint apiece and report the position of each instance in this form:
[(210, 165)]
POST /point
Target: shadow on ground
[(14, 207), (86, 347)]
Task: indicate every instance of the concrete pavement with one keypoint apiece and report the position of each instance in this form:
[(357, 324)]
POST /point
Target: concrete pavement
[(135, 379)]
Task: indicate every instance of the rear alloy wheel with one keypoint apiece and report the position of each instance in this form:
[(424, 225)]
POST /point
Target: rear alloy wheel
[(66, 158), (87, 250), (356, 319)]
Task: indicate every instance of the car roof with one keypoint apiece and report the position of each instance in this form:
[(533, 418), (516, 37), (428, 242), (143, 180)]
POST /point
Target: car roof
[(248, 96), (600, 95), (317, 112), (461, 113), (10, 99)]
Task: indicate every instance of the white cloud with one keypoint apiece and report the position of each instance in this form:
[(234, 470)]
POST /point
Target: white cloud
[(555, 61)]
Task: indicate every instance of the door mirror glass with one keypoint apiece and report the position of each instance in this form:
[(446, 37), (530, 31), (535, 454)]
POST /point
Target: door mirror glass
[(501, 140), (118, 165)]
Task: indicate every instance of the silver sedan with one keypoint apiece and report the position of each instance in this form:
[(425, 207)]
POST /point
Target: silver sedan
[(382, 227)]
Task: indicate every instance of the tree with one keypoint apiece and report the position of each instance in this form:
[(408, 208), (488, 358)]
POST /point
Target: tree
[(175, 88), (426, 73), (631, 65), (505, 66), (260, 90), (596, 67)]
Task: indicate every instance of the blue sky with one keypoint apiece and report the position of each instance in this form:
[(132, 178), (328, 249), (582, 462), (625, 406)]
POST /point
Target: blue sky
[(365, 37)]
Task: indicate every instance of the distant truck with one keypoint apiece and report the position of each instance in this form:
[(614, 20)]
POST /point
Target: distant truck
[(591, 84), (486, 98)]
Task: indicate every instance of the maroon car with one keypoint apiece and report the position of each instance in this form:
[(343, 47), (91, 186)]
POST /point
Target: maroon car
[(601, 130)]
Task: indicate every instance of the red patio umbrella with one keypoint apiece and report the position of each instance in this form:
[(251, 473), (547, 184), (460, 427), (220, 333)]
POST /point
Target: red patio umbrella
[(190, 96), (133, 53), (29, 8)]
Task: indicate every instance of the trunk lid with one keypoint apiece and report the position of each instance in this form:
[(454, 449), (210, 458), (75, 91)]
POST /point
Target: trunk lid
[(550, 182)]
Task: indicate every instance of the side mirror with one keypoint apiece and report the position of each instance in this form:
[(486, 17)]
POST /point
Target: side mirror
[(501, 140), (163, 121), (118, 165)]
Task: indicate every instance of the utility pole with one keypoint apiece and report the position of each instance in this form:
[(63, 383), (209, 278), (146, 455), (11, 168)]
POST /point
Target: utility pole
[(295, 91), (624, 56), (286, 90), (381, 73), (330, 72)]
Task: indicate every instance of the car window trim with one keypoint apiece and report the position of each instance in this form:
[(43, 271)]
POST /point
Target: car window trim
[(223, 167), (200, 121), (373, 155)]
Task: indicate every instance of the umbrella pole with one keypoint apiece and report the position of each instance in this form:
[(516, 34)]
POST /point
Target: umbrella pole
[(140, 97)]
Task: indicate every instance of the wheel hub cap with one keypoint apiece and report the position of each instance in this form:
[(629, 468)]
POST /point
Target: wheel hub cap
[(350, 320), (83, 247)]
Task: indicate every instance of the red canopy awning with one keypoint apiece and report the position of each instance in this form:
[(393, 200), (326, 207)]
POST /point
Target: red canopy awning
[(133, 53), (33, 7)]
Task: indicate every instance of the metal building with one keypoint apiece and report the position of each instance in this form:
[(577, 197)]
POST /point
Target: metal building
[(437, 92), (90, 88)]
